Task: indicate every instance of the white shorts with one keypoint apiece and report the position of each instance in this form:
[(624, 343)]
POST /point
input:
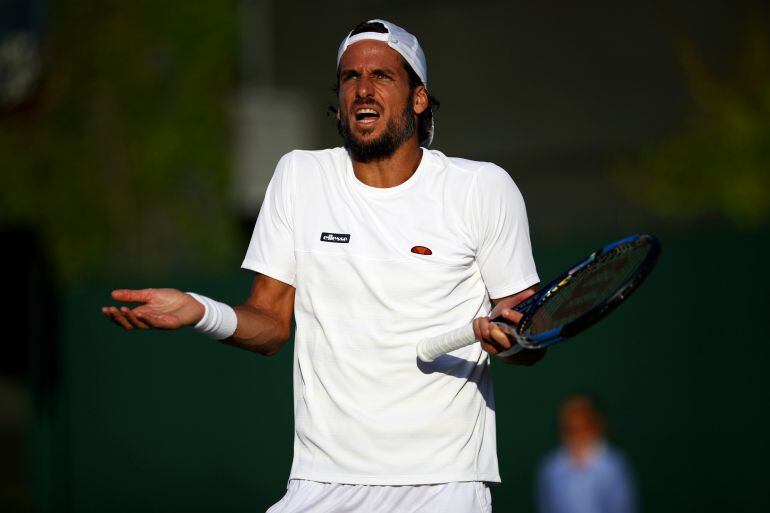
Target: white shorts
[(313, 497)]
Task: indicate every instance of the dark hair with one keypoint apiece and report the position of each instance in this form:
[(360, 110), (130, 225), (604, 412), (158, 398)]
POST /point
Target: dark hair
[(425, 119), (368, 26), (591, 399)]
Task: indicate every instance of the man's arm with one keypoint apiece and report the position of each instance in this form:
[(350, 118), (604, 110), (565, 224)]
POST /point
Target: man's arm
[(495, 341), (263, 321)]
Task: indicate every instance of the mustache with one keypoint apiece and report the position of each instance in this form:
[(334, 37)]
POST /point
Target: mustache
[(358, 102)]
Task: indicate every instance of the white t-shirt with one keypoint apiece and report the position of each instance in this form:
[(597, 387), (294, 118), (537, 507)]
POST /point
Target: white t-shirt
[(375, 271)]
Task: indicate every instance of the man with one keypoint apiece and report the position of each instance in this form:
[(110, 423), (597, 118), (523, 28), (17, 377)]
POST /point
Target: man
[(586, 475), (371, 248)]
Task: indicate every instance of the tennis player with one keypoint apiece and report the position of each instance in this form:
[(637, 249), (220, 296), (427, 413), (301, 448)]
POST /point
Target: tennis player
[(371, 247)]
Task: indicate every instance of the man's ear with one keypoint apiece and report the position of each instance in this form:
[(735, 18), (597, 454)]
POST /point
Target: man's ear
[(338, 112), (420, 99)]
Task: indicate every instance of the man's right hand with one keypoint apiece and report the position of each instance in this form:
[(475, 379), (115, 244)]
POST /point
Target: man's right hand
[(165, 309)]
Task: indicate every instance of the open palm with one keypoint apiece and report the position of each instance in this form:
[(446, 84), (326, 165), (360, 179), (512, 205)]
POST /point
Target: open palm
[(160, 309)]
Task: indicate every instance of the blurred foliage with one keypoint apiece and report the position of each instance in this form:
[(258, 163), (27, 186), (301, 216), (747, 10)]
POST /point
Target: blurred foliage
[(122, 159), (719, 165)]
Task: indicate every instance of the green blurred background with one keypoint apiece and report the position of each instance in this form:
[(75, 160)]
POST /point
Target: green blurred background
[(136, 139)]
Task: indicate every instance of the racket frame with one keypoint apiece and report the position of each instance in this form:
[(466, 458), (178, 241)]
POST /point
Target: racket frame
[(529, 306)]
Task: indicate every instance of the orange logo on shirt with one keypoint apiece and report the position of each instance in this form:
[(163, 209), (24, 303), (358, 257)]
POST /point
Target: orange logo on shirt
[(422, 250)]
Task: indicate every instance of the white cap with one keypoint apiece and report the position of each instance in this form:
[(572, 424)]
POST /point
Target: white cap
[(397, 38), (401, 41)]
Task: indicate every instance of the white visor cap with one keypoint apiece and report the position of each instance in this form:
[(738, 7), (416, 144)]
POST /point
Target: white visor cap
[(397, 38)]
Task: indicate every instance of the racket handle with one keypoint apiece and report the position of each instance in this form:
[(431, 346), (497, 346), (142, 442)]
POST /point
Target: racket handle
[(431, 348)]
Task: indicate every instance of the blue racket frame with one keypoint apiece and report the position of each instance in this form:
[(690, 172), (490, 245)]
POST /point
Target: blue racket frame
[(529, 306)]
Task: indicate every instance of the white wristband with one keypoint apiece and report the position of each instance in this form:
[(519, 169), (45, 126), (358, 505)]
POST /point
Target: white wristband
[(219, 320)]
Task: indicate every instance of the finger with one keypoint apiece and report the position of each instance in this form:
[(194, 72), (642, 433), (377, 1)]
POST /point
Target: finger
[(490, 348), (488, 343), (484, 328), (511, 316), (118, 318), (524, 294), (499, 337), (481, 328), (132, 296), (133, 319)]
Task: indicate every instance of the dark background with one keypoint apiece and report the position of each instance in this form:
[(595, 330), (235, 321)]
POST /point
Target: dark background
[(128, 131)]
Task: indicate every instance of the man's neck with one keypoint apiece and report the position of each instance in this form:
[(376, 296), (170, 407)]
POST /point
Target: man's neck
[(581, 454), (392, 171)]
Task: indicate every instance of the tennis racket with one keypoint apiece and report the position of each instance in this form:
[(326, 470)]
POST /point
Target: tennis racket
[(569, 304)]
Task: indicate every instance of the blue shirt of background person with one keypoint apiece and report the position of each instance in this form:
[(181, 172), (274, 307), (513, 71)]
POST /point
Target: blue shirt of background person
[(585, 475)]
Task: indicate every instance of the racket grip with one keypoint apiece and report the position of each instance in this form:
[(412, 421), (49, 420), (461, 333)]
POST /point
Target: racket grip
[(431, 348)]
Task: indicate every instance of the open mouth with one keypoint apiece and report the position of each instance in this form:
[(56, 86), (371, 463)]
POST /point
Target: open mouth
[(367, 116)]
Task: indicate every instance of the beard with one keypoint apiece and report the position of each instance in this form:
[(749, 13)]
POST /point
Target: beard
[(398, 131)]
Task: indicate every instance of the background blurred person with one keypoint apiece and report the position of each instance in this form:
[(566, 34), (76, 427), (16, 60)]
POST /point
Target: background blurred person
[(586, 474)]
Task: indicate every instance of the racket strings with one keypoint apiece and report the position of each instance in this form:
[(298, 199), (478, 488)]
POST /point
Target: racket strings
[(587, 288)]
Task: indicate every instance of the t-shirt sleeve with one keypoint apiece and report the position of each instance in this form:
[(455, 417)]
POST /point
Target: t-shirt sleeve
[(271, 250), (503, 251)]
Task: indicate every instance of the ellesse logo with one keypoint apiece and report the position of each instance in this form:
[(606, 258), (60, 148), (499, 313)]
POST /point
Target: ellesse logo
[(422, 250), (342, 238)]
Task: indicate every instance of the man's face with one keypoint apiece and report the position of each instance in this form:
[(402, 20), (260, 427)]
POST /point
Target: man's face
[(377, 106), (580, 423)]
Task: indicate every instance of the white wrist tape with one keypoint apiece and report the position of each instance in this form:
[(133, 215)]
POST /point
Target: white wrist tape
[(219, 320)]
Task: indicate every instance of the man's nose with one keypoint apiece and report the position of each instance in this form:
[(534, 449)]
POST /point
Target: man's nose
[(364, 88)]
